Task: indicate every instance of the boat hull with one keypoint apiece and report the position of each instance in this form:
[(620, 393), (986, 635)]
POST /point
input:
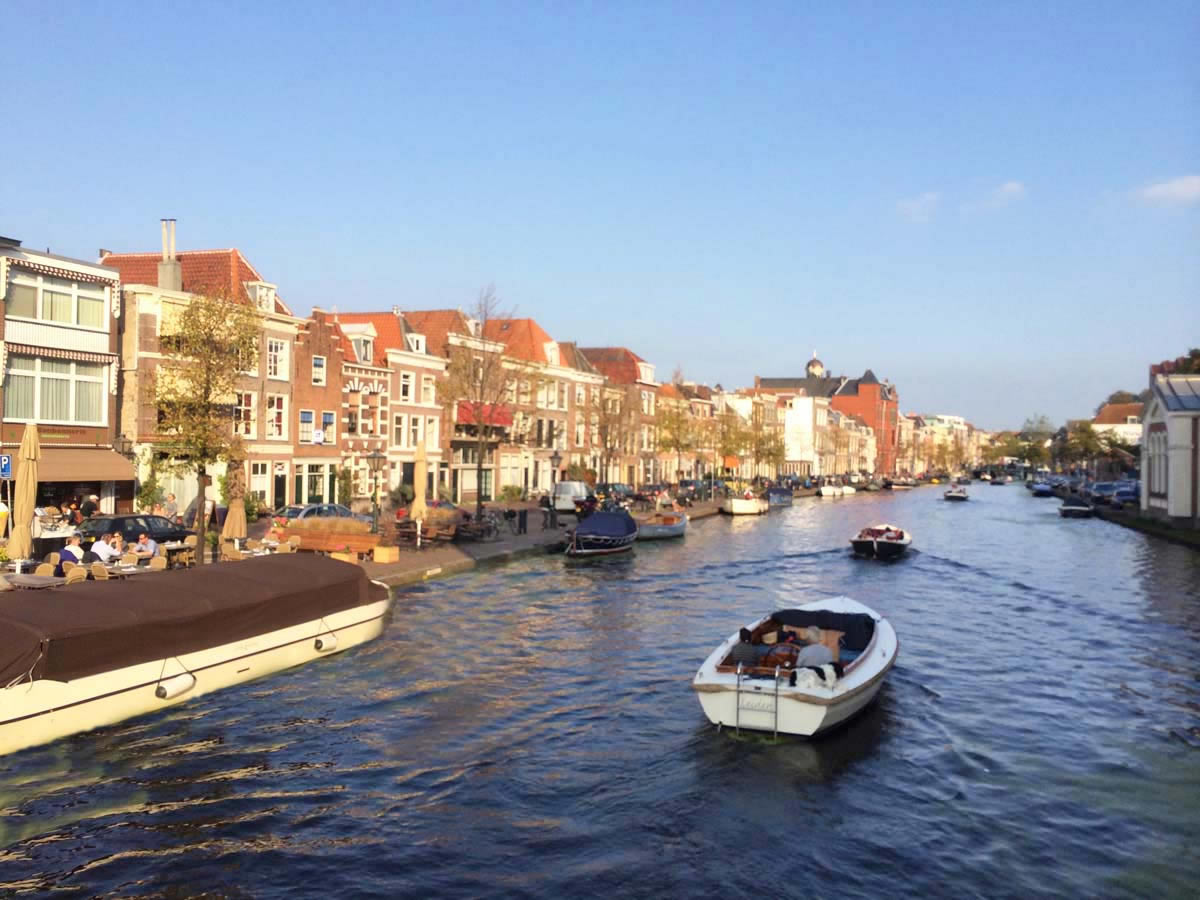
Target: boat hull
[(779, 499), (657, 531), (803, 711), (37, 712), (830, 490), (955, 496), (741, 506), (879, 549), (1075, 512)]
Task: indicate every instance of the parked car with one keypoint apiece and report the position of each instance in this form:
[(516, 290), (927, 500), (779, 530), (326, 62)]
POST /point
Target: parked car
[(159, 528), (613, 491), (1102, 491), (688, 487), (320, 511), (649, 493), (1125, 496), (565, 494)]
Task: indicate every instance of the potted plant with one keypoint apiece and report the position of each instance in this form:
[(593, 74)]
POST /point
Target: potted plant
[(343, 553)]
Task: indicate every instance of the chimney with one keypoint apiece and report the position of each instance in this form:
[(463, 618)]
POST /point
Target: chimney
[(396, 311), (170, 273)]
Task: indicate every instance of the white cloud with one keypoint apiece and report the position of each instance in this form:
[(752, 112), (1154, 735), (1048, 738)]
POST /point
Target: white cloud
[(1175, 192), (920, 208), (1007, 193)]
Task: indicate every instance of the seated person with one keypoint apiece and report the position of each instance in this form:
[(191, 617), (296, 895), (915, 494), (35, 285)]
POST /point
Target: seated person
[(145, 546), (815, 653), (745, 652), (72, 552), (103, 548)]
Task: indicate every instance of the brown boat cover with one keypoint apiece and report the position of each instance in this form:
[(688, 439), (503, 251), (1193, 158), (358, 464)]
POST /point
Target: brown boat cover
[(72, 632)]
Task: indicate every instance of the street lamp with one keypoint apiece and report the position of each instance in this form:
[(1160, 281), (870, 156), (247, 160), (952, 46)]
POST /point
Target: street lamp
[(555, 462), (375, 461), (123, 445)]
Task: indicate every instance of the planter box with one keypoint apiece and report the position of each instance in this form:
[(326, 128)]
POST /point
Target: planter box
[(386, 554), (345, 557)]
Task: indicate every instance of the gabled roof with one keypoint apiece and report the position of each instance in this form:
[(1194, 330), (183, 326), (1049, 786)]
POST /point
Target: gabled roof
[(809, 385), (437, 325), (572, 358), (1179, 393), (390, 330), (225, 271), (868, 377), (617, 364), (522, 338), (1117, 413)]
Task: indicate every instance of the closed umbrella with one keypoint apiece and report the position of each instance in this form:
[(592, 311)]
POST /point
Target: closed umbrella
[(20, 545), (418, 511), (235, 516)]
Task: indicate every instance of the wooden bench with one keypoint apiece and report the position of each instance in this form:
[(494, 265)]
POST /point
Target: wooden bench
[(332, 541)]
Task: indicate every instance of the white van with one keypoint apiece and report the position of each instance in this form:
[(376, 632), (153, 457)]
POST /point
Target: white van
[(566, 493)]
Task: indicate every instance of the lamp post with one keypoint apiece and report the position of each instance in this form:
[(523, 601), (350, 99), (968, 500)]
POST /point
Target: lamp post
[(375, 461), (123, 445), (555, 462)]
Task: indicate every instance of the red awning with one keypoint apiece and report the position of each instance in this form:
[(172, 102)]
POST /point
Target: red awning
[(493, 413)]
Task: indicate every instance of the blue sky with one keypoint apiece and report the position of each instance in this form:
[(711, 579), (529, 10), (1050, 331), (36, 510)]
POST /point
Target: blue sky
[(995, 206)]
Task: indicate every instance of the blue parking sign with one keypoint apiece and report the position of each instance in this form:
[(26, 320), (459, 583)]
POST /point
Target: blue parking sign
[(5, 466)]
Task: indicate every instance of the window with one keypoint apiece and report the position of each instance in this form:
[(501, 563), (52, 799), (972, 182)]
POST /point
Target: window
[(318, 370), (431, 432), (54, 390), (363, 347), (406, 386), (510, 393), (398, 431), (306, 426), (329, 427), (277, 361), (244, 407), (525, 389), (414, 431), (427, 389), (580, 395), (69, 302), (562, 395), (258, 480), (579, 432), (351, 421), (276, 416)]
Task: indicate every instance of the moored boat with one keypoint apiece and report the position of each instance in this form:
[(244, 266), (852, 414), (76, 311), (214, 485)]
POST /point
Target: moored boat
[(881, 541), (771, 694), (1042, 489), (744, 505), (958, 492), (830, 490), (662, 525), (603, 533), (100, 652), (1076, 508), (779, 497), (847, 490)]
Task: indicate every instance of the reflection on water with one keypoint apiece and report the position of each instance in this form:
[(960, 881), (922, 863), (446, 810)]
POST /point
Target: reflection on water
[(531, 730)]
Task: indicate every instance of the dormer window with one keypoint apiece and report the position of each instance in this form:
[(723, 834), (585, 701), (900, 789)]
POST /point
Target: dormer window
[(552, 352), (416, 343), (262, 295), (364, 346), (645, 372), (1132, 420)]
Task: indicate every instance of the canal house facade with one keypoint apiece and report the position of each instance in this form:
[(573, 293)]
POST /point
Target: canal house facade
[(59, 331), (1171, 446)]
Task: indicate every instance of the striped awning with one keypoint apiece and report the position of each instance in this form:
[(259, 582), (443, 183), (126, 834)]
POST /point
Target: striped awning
[(60, 353), (66, 274)]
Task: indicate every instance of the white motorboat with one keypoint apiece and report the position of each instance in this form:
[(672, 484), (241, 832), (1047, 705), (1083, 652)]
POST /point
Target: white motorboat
[(99, 652), (771, 695), (881, 541), (958, 492), (662, 525), (830, 490), (744, 506), (847, 490)]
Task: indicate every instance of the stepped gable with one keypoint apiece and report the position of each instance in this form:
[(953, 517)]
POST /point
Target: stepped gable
[(224, 271)]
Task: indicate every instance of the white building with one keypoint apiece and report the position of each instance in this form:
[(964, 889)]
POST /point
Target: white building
[(1122, 420), (805, 422), (1171, 447)]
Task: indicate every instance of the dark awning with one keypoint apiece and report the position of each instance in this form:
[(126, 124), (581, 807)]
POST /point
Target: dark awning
[(82, 464)]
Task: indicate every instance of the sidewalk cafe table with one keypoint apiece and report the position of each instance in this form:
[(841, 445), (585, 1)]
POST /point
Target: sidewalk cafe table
[(35, 582)]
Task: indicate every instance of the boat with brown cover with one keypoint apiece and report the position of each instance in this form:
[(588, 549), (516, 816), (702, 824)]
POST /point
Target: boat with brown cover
[(77, 658)]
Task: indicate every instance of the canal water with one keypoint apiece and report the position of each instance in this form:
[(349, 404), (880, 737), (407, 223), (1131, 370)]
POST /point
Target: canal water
[(530, 731)]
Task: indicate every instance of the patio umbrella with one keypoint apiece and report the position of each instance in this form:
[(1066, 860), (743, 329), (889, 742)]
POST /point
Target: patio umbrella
[(235, 516), (20, 545), (418, 511)]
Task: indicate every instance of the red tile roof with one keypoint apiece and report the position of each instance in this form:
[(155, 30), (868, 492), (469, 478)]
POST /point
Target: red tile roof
[(389, 335), (202, 270), (1116, 413), (523, 338), (437, 325), (618, 364)]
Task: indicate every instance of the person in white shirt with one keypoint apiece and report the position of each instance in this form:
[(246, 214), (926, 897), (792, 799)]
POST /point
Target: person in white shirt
[(72, 549), (103, 549)]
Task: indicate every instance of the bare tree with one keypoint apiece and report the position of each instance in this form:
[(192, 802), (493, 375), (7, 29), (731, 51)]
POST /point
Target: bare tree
[(612, 416), (481, 379)]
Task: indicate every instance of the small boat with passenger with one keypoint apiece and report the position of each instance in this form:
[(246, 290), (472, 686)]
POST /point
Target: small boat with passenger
[(100, 652), (1074, 507), (957, 493), (665, 524), (881, 541), (798, 671), (744, 504)]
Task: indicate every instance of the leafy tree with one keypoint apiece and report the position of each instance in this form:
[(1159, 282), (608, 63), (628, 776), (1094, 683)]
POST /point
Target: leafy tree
[(150, 492), (676, 431), (1037, 426), (1117, 397), (215, 339), (345, 485), (731, 435)]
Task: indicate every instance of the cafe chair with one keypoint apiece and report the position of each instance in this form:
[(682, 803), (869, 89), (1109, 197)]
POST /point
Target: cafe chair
[(188, 557), (53, 558), (129, 559), (44, 569), (158, 563), (230, 553), (76, 575), (67, 566), (99, 573), (252, 544)]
